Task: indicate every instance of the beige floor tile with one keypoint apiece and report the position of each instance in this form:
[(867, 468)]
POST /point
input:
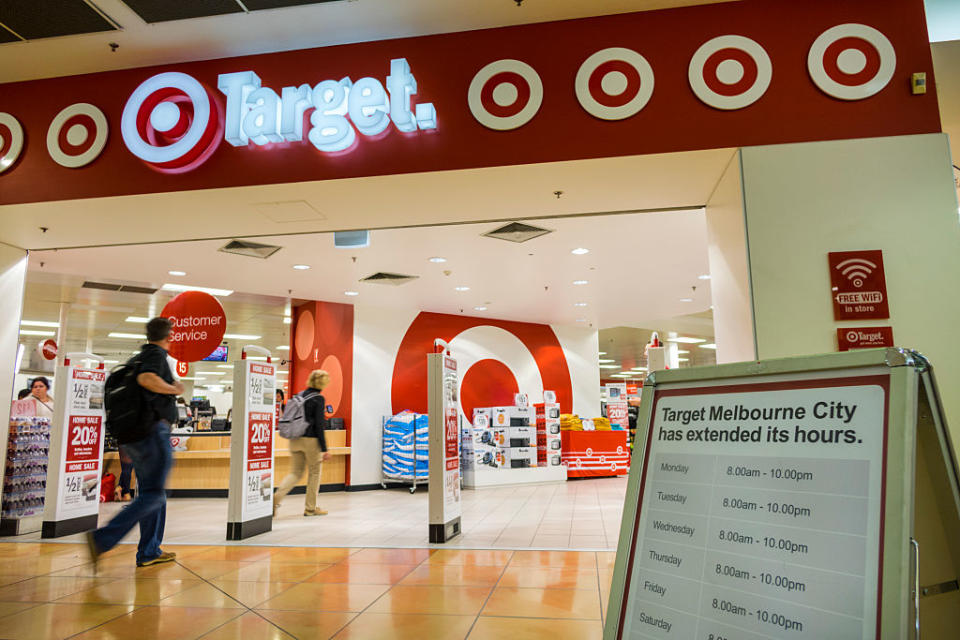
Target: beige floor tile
[(202, 595), (497, 558), (554, 559), (248, 626), (57, 620), (326, 597), (127, 591), (309, 555), (432, 600), (544, 603), (489, 628), (389, 556), (363, 573), (9, 608), (162, 623), (454, 575), (210, 569), (549, 577), (392, 626), (236, 553), (251, 594), (47, 589), (312, 625), (267, 571)]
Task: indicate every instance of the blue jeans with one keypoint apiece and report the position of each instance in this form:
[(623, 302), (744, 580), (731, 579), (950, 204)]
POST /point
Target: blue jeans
[(152, 458), (126, 470)]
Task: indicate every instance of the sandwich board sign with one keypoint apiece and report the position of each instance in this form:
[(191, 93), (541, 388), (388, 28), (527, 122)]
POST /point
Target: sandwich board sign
[(443, 400), (784, 499)]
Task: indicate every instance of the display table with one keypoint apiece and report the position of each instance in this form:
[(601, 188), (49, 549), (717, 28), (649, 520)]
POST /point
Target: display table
[(204, 468), (593, 454)]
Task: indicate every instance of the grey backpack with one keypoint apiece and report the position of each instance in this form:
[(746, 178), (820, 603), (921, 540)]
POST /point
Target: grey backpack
[(293, 424)]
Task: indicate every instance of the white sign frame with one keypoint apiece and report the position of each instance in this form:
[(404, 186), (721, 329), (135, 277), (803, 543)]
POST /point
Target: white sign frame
[(443, 400)]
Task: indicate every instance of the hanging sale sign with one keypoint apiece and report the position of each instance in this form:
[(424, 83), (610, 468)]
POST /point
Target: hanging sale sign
[(76, 451), (251, 456), (858, 285), (199, 323)]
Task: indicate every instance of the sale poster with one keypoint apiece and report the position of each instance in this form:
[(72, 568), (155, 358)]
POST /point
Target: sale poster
[(82, 444), (451, 412), (258, 455)]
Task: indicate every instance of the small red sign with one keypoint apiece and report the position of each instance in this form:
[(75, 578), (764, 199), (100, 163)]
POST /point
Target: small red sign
[(183, 368), (864, 337), (199, 323), (48, 349), (83, 438), (259, 440), (633, 389), (858, 285)]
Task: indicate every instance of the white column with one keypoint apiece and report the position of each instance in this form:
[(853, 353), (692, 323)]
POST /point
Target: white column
[(13, 277)]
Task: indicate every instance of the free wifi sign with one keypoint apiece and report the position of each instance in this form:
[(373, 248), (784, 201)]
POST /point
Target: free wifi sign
[(858, 285)]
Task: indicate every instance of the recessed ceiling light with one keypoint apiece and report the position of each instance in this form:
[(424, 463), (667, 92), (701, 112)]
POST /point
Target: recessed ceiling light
[(34, 332), (639, 369), (301, 267), (579, 251), (183, 287), (287, 320), (607, 361), (241, 336), (580, 282), (210, 373), (626, 373), (705, 276), (609, 366), (39, 323), (707, 346), (686, 299), (351, 293), (579, 304), (686, 340), (437, 259), (225, 366), (479, 308), (581, 319), (138, 319), (130, 336), (682, 351), (461, 288), (683, 359), (177, 273), (601, 353), (283, 347)]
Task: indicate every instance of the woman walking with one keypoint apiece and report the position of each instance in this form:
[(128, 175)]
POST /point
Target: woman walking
[(308, 451)]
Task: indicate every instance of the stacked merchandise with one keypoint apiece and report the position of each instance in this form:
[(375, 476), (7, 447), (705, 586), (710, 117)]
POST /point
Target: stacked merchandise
[(501, 437), (25, 480), (548, 434), (406, 447)]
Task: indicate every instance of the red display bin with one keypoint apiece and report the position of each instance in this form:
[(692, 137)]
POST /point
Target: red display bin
[(594, 454)]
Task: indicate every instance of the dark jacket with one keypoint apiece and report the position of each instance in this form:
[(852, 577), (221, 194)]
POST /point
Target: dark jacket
[(315, 411), (156, 406)]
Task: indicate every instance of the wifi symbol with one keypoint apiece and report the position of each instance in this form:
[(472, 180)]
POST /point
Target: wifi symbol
[(856, 270)]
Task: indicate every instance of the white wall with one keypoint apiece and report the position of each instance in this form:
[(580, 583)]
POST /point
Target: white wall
[(895, 194), (13, 276), (729, 268), (581, 347)]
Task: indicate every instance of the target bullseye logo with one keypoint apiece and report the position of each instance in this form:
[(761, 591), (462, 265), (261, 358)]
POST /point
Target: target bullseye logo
[(77, 135), (730, 72), (11, 140), (171, 122), (614, 83), (851, 61), (505, 95)]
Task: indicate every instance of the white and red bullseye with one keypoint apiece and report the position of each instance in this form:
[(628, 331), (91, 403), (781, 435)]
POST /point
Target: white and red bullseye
[(614, 83), (730, 72), (851, 61), (77, 135), (171, 122), (11, 140), (505, 95)]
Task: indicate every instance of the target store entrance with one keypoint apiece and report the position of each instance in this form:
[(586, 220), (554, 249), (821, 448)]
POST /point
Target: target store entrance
[(485, 253)]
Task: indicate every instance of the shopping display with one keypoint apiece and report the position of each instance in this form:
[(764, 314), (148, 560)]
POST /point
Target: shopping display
[(406, 448), (548, 434), (25, 480)]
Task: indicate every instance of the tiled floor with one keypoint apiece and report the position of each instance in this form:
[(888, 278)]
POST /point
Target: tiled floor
[(50, 591), (580, 514)]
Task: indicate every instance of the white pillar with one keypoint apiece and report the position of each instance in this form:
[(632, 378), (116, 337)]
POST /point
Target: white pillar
[(13, 277)]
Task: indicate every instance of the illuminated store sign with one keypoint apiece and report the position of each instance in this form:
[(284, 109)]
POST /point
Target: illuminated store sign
[(257, 114)]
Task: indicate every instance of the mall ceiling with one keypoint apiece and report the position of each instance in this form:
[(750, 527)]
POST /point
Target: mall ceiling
[(148, 32)]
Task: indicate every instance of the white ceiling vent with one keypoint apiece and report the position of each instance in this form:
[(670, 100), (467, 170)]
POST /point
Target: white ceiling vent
[(517, 232), (394, 279), (250, 249)]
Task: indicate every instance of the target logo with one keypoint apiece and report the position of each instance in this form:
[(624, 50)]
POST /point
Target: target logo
[(171, 122), (505, 95), (730, 72), (11, 140), (853, 336), (77, 135), (851, 61), (614, 83)]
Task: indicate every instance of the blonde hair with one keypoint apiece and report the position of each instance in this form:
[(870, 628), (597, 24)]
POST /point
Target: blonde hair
[(318, 379)]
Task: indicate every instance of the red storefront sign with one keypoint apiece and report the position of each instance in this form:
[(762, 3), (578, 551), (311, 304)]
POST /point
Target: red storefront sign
[(199, 323), (48, 349), (702, 77), (858, 285), (183, 368), (864, 337)]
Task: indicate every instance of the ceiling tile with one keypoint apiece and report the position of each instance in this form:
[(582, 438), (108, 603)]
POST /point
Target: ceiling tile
[(33, 19), (166, 10)]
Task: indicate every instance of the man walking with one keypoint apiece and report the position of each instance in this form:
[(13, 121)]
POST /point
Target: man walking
[(148, 446)]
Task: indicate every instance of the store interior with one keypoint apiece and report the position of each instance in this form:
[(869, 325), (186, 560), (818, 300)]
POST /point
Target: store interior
[(587, 291)]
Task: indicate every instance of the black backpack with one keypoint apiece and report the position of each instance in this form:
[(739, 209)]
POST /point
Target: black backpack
[(123, 399)]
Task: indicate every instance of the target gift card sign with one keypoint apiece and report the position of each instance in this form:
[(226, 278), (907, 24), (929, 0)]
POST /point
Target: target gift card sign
[(858, 285)]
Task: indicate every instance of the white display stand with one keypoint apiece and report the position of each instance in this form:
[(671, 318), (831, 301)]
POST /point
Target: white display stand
[(72, 499), (443, 401), (250, 496), (777, 499), (481, 478)]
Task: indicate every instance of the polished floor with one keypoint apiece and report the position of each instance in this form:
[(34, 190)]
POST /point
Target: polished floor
[(51, 591), (575, 515)]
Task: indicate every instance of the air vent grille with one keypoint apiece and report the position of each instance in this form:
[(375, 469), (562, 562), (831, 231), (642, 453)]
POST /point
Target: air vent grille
[(126, 288), (517, 232), (250, 249), (383, 277)]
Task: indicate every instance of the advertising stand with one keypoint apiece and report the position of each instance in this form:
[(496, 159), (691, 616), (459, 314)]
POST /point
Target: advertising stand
[(444, 411), (250, 496), (786, 499), (72, 500)]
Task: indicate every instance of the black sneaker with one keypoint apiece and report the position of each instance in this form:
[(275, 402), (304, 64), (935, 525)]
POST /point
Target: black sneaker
[(160, 559)]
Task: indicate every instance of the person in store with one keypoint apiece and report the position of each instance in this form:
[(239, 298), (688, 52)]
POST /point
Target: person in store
[(310, 450), (281, 403), (40, 390), (23, 393), (148, 447)]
